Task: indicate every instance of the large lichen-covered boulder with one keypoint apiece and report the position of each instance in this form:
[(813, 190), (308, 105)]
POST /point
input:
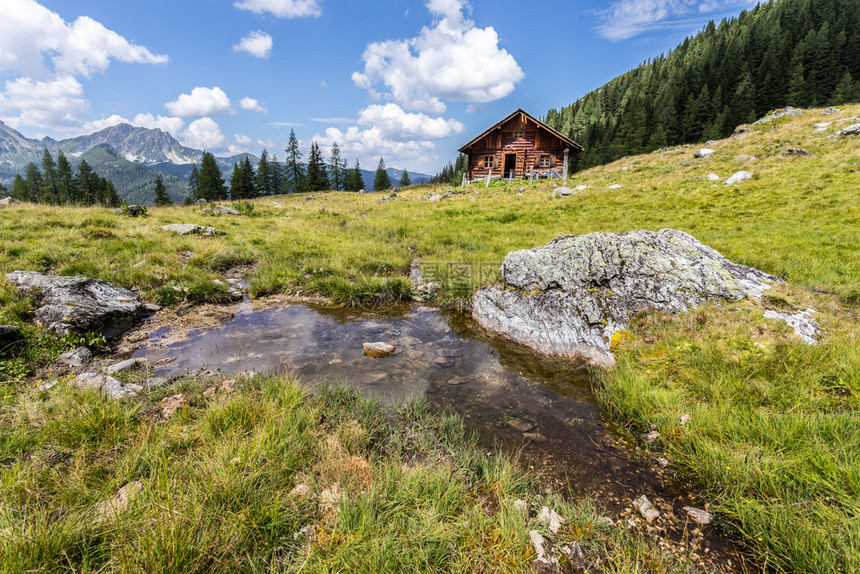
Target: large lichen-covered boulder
[(569, 297), (79, 304)]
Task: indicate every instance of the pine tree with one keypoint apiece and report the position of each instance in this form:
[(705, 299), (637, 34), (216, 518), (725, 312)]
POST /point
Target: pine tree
[(381, 180), (193, 185), (404, 179), (295, 171), (87, 183), (33, 177), (210, 180), (276, 176), (847, 91), (337, 168), (21, 189), (263, 180), (49, 192), (66, 180), (107, 195), (354, 179), (317, 178), (161, 197)]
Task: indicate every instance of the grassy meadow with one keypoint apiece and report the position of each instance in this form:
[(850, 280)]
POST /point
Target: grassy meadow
[(773, 438)]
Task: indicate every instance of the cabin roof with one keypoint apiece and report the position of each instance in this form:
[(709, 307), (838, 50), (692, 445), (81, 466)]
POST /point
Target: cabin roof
[(539, 123)]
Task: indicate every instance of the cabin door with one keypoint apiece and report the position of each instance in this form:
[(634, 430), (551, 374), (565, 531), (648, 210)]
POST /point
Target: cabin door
[(510, 165)]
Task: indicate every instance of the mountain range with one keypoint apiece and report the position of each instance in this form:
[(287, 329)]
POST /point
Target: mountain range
[(132, 157)]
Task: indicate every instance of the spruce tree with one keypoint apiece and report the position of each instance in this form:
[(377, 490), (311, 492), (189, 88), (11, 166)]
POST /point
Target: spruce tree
[(316, 178), (21, 189), (336, 168), (193, 185), (276, 176), (210, 180), (263, 181), (295, 171), (66, 180), (381, 180), (161, 197), (354, 179), (50, 192), (404, 179), (33, 177), (87, 183)]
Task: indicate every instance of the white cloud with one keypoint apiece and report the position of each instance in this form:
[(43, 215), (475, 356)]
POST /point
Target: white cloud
[(453, 60), (173, 126), (98, 125), (257, 44), (203, 133), (242, 145), (388, 131), (200, 102), (52, 104), (627, 18), (397, 125), (282, 8), (251, 104), (29, 32)]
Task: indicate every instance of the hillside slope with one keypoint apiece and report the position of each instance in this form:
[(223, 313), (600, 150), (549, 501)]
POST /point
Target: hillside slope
[(784, 52)]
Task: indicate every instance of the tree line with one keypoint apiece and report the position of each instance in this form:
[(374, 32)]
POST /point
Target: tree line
[(273, 177), (56, 183), (452, 173), (787, 52)]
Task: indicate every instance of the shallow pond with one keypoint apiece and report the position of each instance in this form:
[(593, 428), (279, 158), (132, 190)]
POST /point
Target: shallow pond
[(542, 409)]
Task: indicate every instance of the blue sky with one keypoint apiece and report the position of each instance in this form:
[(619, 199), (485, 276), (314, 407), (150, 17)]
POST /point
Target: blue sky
[(407, 80)]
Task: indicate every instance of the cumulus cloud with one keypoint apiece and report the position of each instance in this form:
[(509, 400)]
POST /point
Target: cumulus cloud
[(52, 104), (29, 32), (282, 8), (251, 104), (173, 126), (203, 133), (242, 144), (627, 18), (200, 102), (395, 124), (257, 44), (452, 60), (389, 131)]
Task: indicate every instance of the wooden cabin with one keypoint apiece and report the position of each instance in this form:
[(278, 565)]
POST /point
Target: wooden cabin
[(519, 146)]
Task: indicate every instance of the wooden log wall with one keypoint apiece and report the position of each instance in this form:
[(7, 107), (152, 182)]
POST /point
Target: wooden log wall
[(534, 143)]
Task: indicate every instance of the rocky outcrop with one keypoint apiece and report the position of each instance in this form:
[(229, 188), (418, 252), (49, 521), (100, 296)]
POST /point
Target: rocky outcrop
[(704, 153), (786, 112), (569, 297), (851, 130), (79, 304), (739, 177), (191, 229)]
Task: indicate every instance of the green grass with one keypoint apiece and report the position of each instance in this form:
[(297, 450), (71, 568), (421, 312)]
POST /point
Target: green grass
[(415, 494), (773, 439)]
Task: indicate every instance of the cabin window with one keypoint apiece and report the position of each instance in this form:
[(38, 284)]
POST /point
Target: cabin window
[(544, 161), (487, 161), (519, 134)]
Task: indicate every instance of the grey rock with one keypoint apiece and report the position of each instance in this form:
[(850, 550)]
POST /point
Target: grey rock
[(652, 437), (796, 151), (787, 112), (435, 197), (134, 210), (151, 308), (563, 192), (746, 158), (569, 297), (705, 152), (804, 326), (201, 202), (713, 177), (698, 516), (107, 385), (79, 304), (646, 509), (615, 186), (830, 111), (582, 187), (191, 228), (127, 365), (76, 358), (9, 201), (739, 177), (823, 124), (224, 210), (851, 130)]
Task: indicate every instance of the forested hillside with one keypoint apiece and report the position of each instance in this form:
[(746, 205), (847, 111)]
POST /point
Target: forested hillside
[(785, 52)]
